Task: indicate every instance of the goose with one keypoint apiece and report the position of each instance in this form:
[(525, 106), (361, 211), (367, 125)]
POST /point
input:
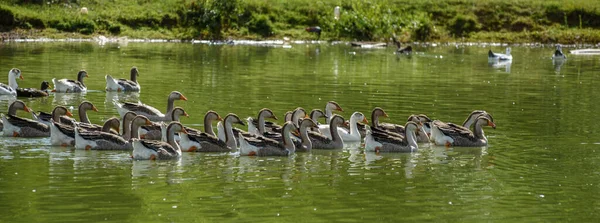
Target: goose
[(329, 108), (377, 141), (351, 135), (61, 134), (32, 92), (258, 126), (10, 89), (103, 140), (126, 125), (153, 131), (70, 86), (152, 113), (306, 145), (558, 54), (123, 84), (500, 56), (463, 136), (467, 124), (320, 141), (205, 141), (22, 127), (269, 147), (154, 149)]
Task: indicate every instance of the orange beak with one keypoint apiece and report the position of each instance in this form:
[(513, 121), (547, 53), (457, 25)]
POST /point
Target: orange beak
[(492, 124), (94, 108), (182, 98), (53, 90), (252, 153), (21, 77), (365, 120), (186, 114), (26, 109), (219, 118), (118, 129), (339, 109), (86, 75), (69, 114), (385, 115), (148, 122), (184, 131)]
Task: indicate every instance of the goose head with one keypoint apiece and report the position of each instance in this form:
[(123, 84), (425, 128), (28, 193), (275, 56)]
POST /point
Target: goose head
[(287, 116), (177, 112), (129, 116), (338, 120), (233, 118), (134, 73), (113, 123), (485, 121), (174, 127), (297, 115), (59, 111), (358, 117), (213, 116), (375, 114), (315, 114), (86, 105), (333, 106), (175, 95), (18, 104), (507, 50), (15, 73), (267, 113)]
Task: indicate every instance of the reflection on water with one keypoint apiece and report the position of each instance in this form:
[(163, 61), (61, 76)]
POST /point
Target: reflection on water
[(557, 64), (540, 162), (499, 64)]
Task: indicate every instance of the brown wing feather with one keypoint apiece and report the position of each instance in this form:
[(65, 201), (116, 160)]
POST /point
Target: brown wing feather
[(140, 108), (18, 121)]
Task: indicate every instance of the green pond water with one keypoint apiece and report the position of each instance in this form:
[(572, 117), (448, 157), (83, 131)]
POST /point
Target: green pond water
[(542, 162)]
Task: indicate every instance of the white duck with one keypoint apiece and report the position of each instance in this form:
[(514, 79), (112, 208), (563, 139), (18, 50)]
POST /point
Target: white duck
[(353, 135), (70, 86), (500, 56), (154, 149), (123, 84), (152, 113), (10, 89)]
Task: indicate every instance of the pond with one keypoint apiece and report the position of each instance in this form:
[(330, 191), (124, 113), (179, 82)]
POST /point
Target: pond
[(541, 163)]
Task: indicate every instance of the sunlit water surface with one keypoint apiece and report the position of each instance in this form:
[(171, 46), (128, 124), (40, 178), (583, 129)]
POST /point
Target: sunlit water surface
[(542, 163)]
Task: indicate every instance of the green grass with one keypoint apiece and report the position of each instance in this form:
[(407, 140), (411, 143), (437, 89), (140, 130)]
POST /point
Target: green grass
[(546, 21)]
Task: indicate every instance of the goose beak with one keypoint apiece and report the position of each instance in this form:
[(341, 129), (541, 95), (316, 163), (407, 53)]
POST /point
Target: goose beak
[(184, 131), (94, 108), (148, 122), (306, 116), (241, 123), (385, 115), (296, 133), (182, 98), (365, 120), (274, 117), (492, 124), (26, 109), (21, 77), (69, 113), (86, 75), (219, 118), (186, 114), (118, 129), (339, 109)]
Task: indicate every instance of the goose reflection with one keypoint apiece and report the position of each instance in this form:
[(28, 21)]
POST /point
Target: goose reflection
[(558, 63), (68, 98), (120, 96), (499, 64)]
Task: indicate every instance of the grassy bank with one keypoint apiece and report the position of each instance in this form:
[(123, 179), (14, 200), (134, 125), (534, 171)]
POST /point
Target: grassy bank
[(546, 21)]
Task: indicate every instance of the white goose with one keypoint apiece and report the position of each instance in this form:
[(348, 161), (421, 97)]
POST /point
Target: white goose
[(500, 56), (152, 113), (123, 84), (10, 89), (353, 135), (70, 86), (22, 127)]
